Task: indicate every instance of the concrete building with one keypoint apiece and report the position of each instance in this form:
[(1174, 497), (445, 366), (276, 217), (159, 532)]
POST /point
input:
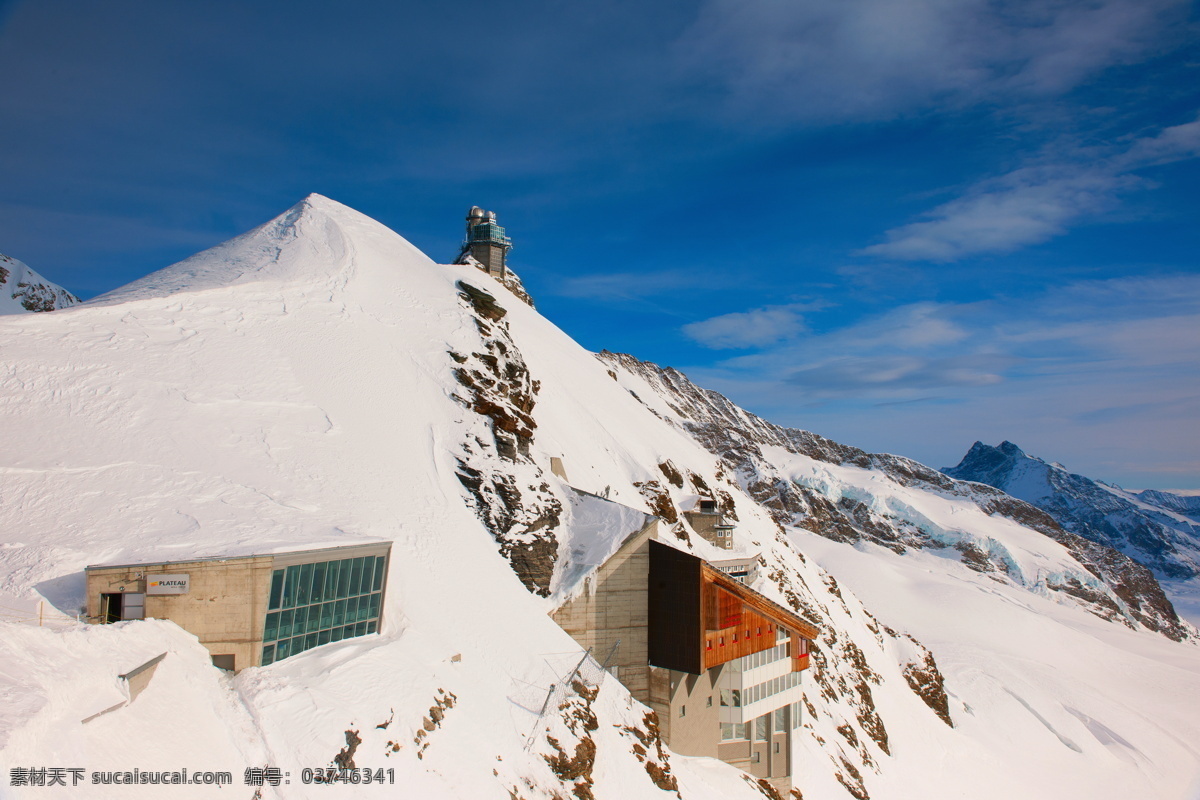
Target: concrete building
[(742, 570), (251, 610), (708, 521), (485, 242), (717, 661)]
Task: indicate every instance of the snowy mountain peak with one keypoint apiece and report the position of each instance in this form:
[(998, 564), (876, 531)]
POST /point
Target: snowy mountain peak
[(1152, 528), (23, 290), (313, 242)]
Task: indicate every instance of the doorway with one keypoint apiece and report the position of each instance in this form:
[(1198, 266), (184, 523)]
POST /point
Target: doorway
[(117, 606)]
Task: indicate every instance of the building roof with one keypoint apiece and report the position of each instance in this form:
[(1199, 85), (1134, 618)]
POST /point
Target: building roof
[(366, 542)]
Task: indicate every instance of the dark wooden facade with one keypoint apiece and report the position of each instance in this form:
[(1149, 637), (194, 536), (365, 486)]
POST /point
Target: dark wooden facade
[(673, 616), (700, 618)]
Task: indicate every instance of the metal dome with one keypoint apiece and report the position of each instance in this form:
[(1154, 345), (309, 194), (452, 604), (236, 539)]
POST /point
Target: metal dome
[(476, 213)]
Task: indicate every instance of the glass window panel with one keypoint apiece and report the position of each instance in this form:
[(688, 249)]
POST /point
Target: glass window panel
[(327, 615), (336, 634), (739, 730), (780, 719), (355, 576), (310, 641), (285, 623), (289, 587), (276, 589), (371, 626), (344, 578), (318, 582), (762, 727), (374, 606), (283, 649), (368, 574), (352, 609), (736, 698), (339, 612), (332, 574), (322, 637), (304, 592), (272, 627), (314, 619), (268, 655), (378, 584), (298, 617)]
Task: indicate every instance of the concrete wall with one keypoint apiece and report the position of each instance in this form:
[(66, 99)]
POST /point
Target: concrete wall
[(706, 525), (612, 608), (225, 606), (688, 707), (490, 256), (776, 767)]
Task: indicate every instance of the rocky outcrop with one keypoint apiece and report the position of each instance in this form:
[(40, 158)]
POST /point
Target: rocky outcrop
[(22, 289), (510, 493)]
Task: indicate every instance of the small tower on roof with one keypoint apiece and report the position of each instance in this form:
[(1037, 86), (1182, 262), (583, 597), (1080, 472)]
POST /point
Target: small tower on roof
[(486, 242)]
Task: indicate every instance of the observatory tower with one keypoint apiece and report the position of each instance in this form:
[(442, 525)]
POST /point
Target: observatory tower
[(485, 242)]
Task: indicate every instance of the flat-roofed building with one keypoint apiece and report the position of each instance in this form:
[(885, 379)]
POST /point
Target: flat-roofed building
[(251, 610), (707, 519), (719, 662), (742, 570)]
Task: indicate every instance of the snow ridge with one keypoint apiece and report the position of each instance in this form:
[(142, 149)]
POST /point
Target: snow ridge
[(1157, 529), (23, 290)]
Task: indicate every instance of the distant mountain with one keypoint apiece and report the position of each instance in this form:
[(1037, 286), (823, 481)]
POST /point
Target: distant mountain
[(1158, 529), (23, 290)]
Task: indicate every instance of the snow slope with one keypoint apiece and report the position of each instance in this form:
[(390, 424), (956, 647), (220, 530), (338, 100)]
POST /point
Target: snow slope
[(318, 381), (23, 290)]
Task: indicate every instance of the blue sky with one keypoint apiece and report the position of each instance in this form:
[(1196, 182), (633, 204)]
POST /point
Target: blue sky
[(903, 224)]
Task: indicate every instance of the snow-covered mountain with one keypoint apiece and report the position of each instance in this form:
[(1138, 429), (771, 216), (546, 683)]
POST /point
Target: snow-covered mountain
[(23, 290), (1158, 529), (318, 380)]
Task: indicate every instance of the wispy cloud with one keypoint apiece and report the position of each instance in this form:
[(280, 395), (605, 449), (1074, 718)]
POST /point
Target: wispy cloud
[(622, 286), (876, 58), (1033, 204), (757, 328), (1095, 373)]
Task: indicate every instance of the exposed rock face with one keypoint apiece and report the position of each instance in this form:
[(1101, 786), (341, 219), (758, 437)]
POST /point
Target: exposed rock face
[(509, 491), (22, 289), (1111, 584), (1157, 529)]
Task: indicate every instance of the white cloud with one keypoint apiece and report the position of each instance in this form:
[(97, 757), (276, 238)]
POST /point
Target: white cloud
[(621, 286), (758, 328), (1025, 207), (810, 59), (1033, 204), (1099, 374)]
